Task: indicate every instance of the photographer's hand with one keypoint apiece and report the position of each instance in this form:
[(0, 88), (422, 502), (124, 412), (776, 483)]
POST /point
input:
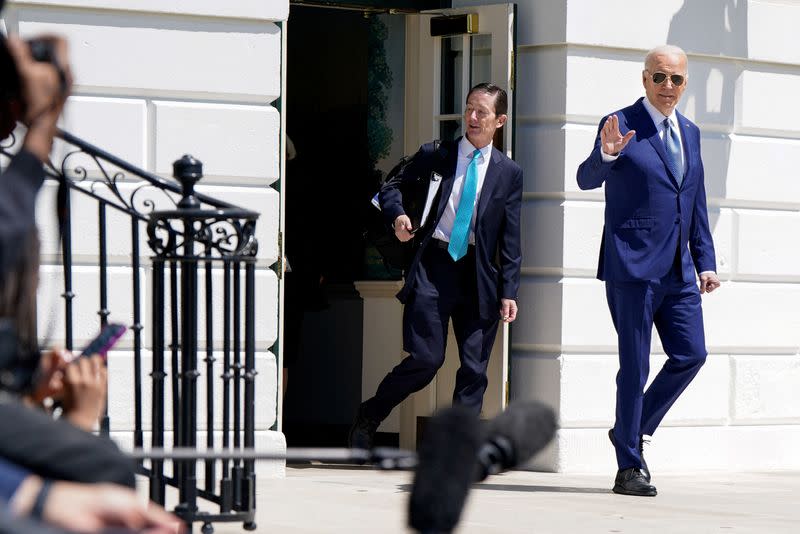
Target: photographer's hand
[(80, 384), (85, 390), (43, 92), (50, 376), (89, 508)]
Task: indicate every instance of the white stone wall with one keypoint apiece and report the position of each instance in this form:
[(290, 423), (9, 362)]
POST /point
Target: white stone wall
[(155, 79), (581, 59)]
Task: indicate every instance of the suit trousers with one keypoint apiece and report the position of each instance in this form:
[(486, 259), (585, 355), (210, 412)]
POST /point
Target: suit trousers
[(443, 290), (674, 307), (58, 450)]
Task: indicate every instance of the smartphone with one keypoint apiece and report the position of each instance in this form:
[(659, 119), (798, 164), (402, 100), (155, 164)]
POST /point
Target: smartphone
[(106, 339)]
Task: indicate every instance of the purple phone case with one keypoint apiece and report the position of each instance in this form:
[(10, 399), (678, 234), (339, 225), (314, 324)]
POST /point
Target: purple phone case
[(106, 339)]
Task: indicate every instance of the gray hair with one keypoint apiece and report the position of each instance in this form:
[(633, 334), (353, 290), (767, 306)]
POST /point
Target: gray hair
[(664, 50)]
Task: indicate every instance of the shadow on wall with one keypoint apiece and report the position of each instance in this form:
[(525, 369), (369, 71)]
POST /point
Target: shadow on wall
[(716, 28)]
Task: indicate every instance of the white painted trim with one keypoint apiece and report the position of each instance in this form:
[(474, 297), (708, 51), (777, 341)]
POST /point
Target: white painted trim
[(239, 9)]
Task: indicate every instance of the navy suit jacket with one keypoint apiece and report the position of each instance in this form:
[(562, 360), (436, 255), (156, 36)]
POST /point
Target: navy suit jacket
[(648, 217), (497, 232)]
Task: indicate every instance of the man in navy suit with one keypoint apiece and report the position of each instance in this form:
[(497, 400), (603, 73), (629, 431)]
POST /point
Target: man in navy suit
[(466, 267), (656, 236)]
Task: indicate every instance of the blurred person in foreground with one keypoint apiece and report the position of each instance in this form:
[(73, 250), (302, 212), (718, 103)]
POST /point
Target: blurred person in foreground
[(46, 465), (28, 500), (35, 92)]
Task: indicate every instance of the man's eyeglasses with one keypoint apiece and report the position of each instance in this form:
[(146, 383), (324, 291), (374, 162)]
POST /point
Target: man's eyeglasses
[(676, 79)]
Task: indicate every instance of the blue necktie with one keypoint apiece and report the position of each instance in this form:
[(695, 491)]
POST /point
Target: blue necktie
[(673, 151), (459, 237)]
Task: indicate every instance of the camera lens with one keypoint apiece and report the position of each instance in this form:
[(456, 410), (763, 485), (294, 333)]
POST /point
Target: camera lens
[(42, 51)]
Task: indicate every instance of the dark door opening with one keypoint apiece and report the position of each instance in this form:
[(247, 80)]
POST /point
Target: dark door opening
[(327, 191), (377, 6)]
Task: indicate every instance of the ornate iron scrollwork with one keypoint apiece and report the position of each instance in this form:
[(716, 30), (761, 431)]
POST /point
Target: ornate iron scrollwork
[(225, 230), (225, 233), (190, 230)]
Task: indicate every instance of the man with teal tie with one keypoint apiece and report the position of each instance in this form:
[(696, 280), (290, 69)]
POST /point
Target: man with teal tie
[(656, 243), (466, 267)]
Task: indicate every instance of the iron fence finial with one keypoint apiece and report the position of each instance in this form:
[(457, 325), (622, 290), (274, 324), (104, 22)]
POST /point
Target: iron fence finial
[(188, 172)]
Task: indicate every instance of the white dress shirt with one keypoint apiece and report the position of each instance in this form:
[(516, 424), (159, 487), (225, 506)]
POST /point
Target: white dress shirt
[(658, 120), (465, 150)]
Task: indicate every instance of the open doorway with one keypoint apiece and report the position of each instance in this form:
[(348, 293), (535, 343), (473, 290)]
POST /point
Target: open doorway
[(344, 111)]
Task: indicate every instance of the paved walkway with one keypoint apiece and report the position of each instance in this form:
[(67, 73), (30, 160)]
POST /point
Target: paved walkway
[(321, 498)]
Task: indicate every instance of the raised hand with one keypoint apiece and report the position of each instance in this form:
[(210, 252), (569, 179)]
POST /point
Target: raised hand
[(611, 140), (43, 91)]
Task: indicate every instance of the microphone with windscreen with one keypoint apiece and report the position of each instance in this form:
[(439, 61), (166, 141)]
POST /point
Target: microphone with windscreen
[(514, 437), (456, 451), (446, 464)]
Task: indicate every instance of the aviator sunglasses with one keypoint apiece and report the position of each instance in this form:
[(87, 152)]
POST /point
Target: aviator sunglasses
[(660, 77)]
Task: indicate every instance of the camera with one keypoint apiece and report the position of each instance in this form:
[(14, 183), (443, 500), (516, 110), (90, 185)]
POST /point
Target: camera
[(12, 108), (42, 50)]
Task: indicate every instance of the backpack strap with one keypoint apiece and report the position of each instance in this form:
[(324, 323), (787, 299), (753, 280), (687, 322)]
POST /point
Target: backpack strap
[(405, 161)]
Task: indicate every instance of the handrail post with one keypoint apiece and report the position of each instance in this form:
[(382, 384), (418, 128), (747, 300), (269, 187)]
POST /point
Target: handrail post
[(188, 171), (225, 236)]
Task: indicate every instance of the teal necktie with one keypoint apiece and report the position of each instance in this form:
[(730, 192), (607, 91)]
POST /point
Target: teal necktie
[(459, 237), (673, 146)]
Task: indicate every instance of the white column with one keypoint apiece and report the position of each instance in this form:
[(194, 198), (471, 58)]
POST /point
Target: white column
[(383, 339)]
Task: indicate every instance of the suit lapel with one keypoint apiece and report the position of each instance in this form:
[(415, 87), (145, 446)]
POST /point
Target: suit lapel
[(489, 183), (689, 145), (448, 177)]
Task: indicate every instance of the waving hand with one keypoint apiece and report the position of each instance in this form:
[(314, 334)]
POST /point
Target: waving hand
[(611, 140)]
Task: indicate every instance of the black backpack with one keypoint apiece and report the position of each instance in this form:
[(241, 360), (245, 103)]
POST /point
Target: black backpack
[(396, 254)]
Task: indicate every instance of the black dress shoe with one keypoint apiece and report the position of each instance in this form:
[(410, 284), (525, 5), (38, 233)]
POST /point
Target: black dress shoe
[(645, 470), (362, 433), (631, 482)]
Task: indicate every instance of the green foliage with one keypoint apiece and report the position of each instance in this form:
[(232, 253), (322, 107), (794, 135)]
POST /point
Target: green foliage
[(379, 81)]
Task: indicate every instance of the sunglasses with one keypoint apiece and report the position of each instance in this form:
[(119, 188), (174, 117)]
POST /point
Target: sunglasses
[(676, 79)]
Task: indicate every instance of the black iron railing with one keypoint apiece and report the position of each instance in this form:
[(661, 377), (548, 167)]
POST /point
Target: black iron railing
[(198, 241)]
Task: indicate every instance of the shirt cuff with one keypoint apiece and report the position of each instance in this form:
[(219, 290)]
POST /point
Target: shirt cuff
[(708, 272), (608, 158)]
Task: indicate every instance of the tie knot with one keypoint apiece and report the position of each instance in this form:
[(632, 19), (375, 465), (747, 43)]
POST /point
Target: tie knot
[(475, 154), (667, 124)]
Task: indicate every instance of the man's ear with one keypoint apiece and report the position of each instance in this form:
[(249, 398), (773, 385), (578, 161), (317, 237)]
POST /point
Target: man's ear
[(501, 120)]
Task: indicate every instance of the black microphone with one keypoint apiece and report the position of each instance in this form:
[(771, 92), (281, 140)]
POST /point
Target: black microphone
[(514, 437), (446, 464)]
